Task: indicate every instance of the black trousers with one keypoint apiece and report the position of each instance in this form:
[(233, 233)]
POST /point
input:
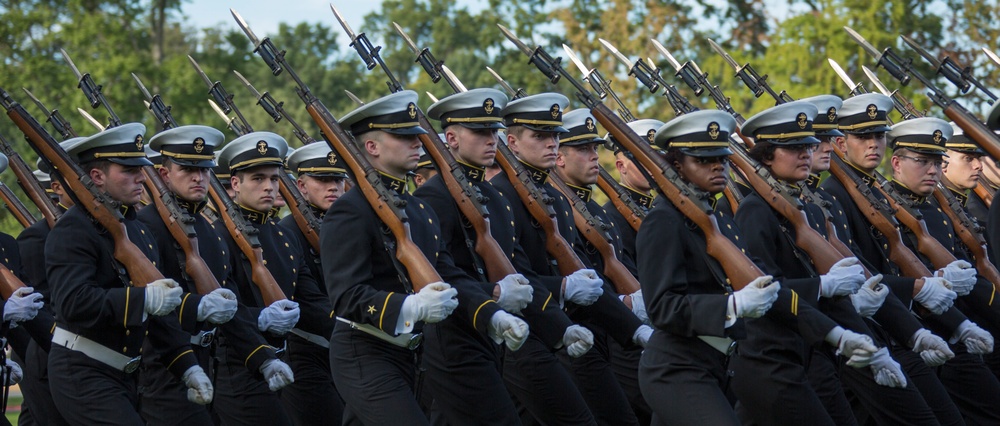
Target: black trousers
[(163, 398), (775, 392), (311, 399), (90, 392), (241, 396), (929, 385), (625, 364), (543, 389), (598, 384), (38, 408), (973, 388)]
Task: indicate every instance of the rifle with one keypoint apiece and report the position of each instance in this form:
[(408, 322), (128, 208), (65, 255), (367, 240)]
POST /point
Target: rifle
[(738, 268), (16, 207), (9, 283), (754, 81), (59, 123), (386, 204), (984, 193), (856, 89), (30, 186), (969, 232), (901, 104), (697, 80), (960, 76)]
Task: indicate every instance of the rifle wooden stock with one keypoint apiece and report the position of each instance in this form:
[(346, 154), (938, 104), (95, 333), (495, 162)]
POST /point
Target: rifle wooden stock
[(140, 269), (738, 267), (908, 262), (194, 264), (270, 291), (16, 207), (9, 283), (30, 186), (539, 206), (973, 240), (620, 277), (973, 128), (620, 199), (984, 194), (420, 270), (296, 205), (927, 245)]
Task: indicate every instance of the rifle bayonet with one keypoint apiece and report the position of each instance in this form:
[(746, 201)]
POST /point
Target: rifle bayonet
[(354, 97), (960, 76), (591, 76), (155, 105), (756, 82), (425, 58), (93, 121), (640, 70), (991, 55), (856, 89), (431, 95), (514, 93), (230, 122), (537, 57), (452, 80), (54, 117), (276, 109), (887, 59), (264, 47), (902, 105), (685, 72), (91, 90)]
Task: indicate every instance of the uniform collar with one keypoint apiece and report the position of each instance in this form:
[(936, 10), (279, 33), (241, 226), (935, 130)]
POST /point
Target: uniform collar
[(812, 182), (254, 216), (317, 211), (537, 175), (473, 173), (127, 211), (913, 197), (866, 177), (393, 183), (191, 207), (583, 193), (643, 200), (962, 196)]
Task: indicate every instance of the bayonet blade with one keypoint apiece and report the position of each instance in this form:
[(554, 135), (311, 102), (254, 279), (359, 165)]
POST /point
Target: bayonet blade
[(729, 59), (576, 61), (841, 73), (875, 80), (142, 87), (503, 83), (406, 38), (76, 71), (927, 55), (454, 80), (204, 77), (218, 110), (666, 53), (864, 43), (992, 55), (246, 28), (246, 83), (343, 23), (517, 42), (614, 51), (36, 101), (431, 95), (100, 127), (354, 97)]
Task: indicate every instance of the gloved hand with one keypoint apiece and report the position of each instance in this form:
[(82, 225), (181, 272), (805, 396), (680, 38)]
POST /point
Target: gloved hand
[(857, 348), (936, 295), (577, 340), (277, 374), (886, 370), (845, 277), (583, 287), (162, 296), (200, 389), (279, 317), (16, 374), (217, 307), (960, 274), (977, 341), (638, 306), (22, 305), (509, 329), (870, 296), (641, 335), (932, 349), (756, 298), (431, 304), (515, 293)]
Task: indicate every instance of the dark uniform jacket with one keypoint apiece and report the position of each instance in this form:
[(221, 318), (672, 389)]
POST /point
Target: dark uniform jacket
[(311, 255), (612, 230), (30, 244), (625, 230)]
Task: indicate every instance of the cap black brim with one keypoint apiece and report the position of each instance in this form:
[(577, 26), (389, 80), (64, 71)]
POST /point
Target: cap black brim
[(721, 151), (131, 162)]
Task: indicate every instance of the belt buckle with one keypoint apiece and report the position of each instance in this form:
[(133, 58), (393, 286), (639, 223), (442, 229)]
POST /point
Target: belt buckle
[(415, 341), (206, 338), (731, 349), (132, 365)]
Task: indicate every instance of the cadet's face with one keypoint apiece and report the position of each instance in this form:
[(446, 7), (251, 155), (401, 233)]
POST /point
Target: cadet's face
[(630, 173), (123, 183), (321, 191), (477, 147), (187, 183), (578, 165), (394, 154), (538, 149), (865, 151), (963, 169), (792, 163), (706, 173), (258, 188), (918, 172), (821, 156)]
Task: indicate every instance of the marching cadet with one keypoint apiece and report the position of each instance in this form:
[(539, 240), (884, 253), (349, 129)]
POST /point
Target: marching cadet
[(462, 344), (374, 349), (256, 161), (684, 372), (918, 153), (321, 180), (534, 124), (187, 157), (963, 172), (425, 169), (633, 179), (101, 319)]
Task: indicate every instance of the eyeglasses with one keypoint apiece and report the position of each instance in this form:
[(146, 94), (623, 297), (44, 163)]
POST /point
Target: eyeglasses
[(799, 148), (924, 162)]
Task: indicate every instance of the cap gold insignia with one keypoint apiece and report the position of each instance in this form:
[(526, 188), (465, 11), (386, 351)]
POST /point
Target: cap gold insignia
[(651, 134), (938, 136), (590, 124), (554, 110), (331, 158), (831, 114), (199, 145), (801, 120), (138, 142), (872, 111), (412, 110), (488, 106), (713, 130), (262, 147)]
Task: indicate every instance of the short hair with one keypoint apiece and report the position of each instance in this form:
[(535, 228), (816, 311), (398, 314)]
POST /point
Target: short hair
[(517, 131), (763, 151), (102, 165), (243, 172), (674, 156)]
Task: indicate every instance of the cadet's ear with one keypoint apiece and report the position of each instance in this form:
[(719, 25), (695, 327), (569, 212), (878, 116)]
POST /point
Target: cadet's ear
[(841, 143), (371, 147), (97, 175)]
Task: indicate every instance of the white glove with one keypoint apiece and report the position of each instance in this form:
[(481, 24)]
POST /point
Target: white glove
[(932, 349), (960, 274), (936, 295), (857, 348), (515, 293), (15, 375), (756, 298), (508, 329), (583, 287), (886, 370), (279, 317), (217, 307), (277, 374), (641, 335), (845, 277), (577, 340), (22, 305), (200, 389), (638, 306), (162, 296), (977, 341), (870, 296), (431, 304)]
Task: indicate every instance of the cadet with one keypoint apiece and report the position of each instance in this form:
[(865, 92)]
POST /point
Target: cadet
[(637, 184), (321, 179), (101, 319), (963, 172), (462, 344), (374, 354), (255, 161), (425, 169)]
